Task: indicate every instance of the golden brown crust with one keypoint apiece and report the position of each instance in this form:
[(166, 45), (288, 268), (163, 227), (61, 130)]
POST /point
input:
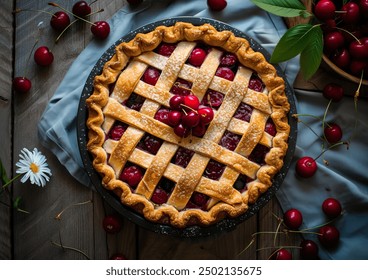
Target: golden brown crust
[(225, 200)]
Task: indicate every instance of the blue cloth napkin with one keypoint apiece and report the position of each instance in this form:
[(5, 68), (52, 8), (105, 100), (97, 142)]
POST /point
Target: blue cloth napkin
[(345, 178)]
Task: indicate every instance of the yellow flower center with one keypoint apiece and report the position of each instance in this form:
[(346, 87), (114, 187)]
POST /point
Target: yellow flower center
[(34, 168)]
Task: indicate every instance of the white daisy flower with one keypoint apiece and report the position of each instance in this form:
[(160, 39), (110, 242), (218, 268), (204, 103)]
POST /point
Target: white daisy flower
[(34, 167)]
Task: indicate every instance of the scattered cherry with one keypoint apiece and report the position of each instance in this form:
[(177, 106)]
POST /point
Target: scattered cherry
[(112, 223), (293, 218), (351, 13), (309, 250), (191, 101), (333, 91), (175, 117), (306, 167), (197, 57), (43, 56), (100, 29), (324, 10), (22, 84), (329, 236), (81, 9), (281, 254), (331, 207), (190, 119), (181, 130), (118, 256), (333, 133), (217, 5), (59, 21), (176, 101)]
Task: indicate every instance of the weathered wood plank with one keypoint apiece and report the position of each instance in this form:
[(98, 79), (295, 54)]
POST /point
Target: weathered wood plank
[(6, 47)]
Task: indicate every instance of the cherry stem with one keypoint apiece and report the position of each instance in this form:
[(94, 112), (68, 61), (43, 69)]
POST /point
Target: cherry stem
[(277, 231), (58, 216), (351, 34), (333, 146), (65, 10), (70, 248), (248, 246), (32, 10)]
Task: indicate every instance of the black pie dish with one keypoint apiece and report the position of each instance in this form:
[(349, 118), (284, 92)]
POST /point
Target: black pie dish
[(224, 225)]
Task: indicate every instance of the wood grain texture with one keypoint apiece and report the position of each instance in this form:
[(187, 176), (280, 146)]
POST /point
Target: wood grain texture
[(6, 42)]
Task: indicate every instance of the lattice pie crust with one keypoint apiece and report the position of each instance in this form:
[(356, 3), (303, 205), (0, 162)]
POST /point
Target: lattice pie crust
[(121, 76)]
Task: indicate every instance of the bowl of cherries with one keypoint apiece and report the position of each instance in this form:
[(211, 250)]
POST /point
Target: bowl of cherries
[(345, 36)]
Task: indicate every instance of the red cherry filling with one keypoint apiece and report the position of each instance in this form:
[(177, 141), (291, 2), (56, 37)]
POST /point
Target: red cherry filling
[(255, 83), (134, 101), (213, 99), (182, 157), (241, 183), (162, 115), (214, 170), (166, 49), (150, 144), (151, 75), (228, 60), (270, 127), (244, 112), (230, 140), (131, 175), (117, 131), (181, 87), (198, 199), (159, 196), (226, 73), (197, 57), (258, 154)]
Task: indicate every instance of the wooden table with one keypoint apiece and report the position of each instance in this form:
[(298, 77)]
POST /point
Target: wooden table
[(31, 236)]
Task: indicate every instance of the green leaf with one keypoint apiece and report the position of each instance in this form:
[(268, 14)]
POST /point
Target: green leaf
[(292, 43), (310, 57), (3, 177), (283, 8)]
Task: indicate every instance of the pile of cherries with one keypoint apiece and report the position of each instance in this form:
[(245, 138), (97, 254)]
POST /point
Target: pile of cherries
[(328, 235), (60, 21), (306, 166), (345, 28)]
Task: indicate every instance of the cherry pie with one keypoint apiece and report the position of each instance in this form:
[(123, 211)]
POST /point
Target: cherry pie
[(187, 124)]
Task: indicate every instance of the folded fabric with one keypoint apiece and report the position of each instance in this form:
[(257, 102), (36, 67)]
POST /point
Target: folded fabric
[(347, 182)]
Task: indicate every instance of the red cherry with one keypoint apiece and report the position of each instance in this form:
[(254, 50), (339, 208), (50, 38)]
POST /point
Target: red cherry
[(281, 254), (228, 60), (181, 130), (363, 5), (191, 119), (81, 9), (308, 250), (324, 10), (333, 40), (226, 73), (199, 199), (333, 91), (306, 167), (100, 29), (22, 84), (270, 128), (217, 5), (191, 101), (341, 58), (333, 133), (176, 101), (199, 130), (112, 224), (151, 76), (132, 175), (43, 56), (118, 256), (357, 66), (293, 218), (166, 49), (350, 13), (358, 50), (174, 117), (206, 114), (197, 57), (331, 207), (159, 196), (329, 236), (59, 21), (116, 132)]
